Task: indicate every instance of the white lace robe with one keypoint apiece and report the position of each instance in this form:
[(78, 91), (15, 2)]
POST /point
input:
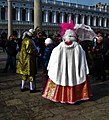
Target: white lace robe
[(67, 65)]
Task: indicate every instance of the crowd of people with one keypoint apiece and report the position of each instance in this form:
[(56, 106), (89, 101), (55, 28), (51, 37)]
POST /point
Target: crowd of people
[(65, 60)]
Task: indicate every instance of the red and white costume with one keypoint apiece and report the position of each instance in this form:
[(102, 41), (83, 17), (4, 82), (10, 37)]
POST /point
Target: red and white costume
[(68, 72)]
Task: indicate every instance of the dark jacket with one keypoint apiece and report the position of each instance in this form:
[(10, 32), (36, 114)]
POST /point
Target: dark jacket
[(40, 43), (99, 51), (11, 48), (46, 55)]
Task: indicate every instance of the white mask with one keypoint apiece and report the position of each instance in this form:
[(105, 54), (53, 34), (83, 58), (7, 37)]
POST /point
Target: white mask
[(69, 35)]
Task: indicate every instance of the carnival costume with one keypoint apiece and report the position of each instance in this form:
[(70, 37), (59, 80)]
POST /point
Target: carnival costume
[(27, 61), (68, 70)]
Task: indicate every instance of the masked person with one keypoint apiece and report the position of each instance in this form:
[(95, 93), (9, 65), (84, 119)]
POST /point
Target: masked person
[(68, 70)]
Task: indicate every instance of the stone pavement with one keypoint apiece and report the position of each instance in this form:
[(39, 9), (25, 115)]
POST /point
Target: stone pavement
[(15, 105)]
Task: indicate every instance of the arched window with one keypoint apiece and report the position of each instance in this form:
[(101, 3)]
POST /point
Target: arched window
[(50, 17), (79, 19), (86, 20), (91, 20), (65, 17), (13, 14), (73, 17), (102, 22), (3, 13), (58, 17), (23, 15), (97, 21)]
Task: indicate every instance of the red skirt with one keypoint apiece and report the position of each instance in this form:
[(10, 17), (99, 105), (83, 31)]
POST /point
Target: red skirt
[(67, 94)]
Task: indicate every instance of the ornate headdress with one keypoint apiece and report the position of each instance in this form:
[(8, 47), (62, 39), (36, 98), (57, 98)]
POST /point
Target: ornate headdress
[(66, 26)]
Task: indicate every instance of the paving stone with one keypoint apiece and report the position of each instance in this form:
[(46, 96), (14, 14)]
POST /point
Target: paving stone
[(6, 116), (95, 114), (102, 105), (57, 117), (79, 117), (73, 107), (4, 109), (21, 118), (58, 110), (14, 102), (88, 103), (42, 114), (6, 97)]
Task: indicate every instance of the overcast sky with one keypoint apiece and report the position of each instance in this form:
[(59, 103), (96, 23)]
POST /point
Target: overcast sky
[(88, 2)]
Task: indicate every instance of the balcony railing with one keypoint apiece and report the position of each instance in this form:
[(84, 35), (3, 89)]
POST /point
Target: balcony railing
[(74, 5), (5, 22), (17, 22), (50, 24), (23, 22)]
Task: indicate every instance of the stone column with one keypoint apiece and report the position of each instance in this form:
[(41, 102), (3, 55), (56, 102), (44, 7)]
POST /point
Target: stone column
[(18, 14), (94, 23), (89, 18), (100, 21), (37, 14), (46, 16), (28, 15), (76, 19), (54, 17), (105, 22), (9, 17), (69, 17), (62, 17), (83, 19)]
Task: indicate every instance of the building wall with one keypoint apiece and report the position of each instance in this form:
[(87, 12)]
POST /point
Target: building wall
[(53, 13)]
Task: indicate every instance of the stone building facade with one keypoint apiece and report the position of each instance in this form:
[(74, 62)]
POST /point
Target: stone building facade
[(53, 13)]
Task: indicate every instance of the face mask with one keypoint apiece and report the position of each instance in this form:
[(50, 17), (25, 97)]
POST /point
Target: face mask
[(72, 38), (69, 38), (69, 35)]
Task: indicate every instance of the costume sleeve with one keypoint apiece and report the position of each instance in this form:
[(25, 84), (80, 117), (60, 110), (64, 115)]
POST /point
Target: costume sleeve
[(30, 49)]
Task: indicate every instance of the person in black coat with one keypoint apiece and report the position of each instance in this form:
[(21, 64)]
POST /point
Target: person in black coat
[(99, 51), (40, 46), (11, 49)]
